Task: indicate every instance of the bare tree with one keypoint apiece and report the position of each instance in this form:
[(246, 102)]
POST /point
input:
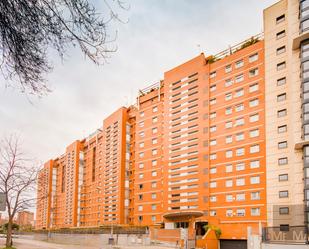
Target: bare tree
[(29, 27), (17, 180)]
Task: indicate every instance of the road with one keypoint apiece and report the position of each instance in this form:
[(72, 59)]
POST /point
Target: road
[(35, 244)]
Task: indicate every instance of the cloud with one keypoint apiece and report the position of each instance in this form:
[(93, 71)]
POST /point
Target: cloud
[(159, 36)]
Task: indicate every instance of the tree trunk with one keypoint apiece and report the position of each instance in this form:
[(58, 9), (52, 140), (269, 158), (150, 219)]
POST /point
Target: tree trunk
[(9, 241)]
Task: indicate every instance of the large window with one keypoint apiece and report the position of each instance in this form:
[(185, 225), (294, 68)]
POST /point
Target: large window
[(304, 15)]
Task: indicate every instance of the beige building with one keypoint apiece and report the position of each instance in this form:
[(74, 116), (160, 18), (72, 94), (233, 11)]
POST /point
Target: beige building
[(285, 138)]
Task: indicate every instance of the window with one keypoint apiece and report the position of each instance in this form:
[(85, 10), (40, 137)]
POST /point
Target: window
[(240, 197), (154, 152), (213, 101), (240, 166), (281, 50), (229, 139), (154, 120), (254, 102), (282, 128), (283, 161), (213, 74), (254, 164), (142, 114), (228, 110), (280, 34), (213, 184), (153, 218), (280, 19), (141, 165), (141, 124), (239, 78), (213, 198), (284, 227), (253, 57), (229, 198), (281, 97), (140, 186), (213, 128), (228, 96), (140, 208), (255, 196), (155, 109), (213, 115), (153, 207), (283, 210), (239, 63), (228, 68), (240, 152), (255, 211), (281, 66), (229, 168), (254, 133), (154, 163), (228, 82), (283, 194), (255, 148), (213, 156), (240, 136), (154, 141), (213, 88), (141, 176), (229, 213), (240, 212), (228, 153), (281, 113), (154, 173), (229, 183), (254, 179), (281, 81), (254, 118), (240, 182), (253, 72), (228, 124), (154, 130), (282, 145), (153, 196), (141, 145), (213, 142), (239, 122), (212, 213), (283, 177), (213, 170), (239, 107), (253, 87), (142, 134), (141, 154), (239, 92), (154, 184)]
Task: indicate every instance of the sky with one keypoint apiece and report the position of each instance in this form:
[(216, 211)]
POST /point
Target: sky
[(156, 36)]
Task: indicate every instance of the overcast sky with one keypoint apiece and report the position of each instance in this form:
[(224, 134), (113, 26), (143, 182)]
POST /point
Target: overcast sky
[(159, 35)]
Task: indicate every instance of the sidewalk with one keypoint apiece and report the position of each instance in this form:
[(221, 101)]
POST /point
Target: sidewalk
[(35, 244)]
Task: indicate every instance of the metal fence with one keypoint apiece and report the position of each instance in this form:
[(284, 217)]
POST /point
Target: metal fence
[(285, 234)]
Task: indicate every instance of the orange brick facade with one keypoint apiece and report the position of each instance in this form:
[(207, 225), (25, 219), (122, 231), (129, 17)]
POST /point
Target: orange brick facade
[(191, 152)]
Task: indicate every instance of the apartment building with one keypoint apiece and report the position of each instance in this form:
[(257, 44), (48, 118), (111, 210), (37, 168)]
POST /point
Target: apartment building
[(25, 219), (43, 207), (285, 27), (148, 174), (221, 141)]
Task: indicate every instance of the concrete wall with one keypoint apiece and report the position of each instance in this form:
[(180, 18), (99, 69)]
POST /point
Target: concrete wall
[(95, 240)]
